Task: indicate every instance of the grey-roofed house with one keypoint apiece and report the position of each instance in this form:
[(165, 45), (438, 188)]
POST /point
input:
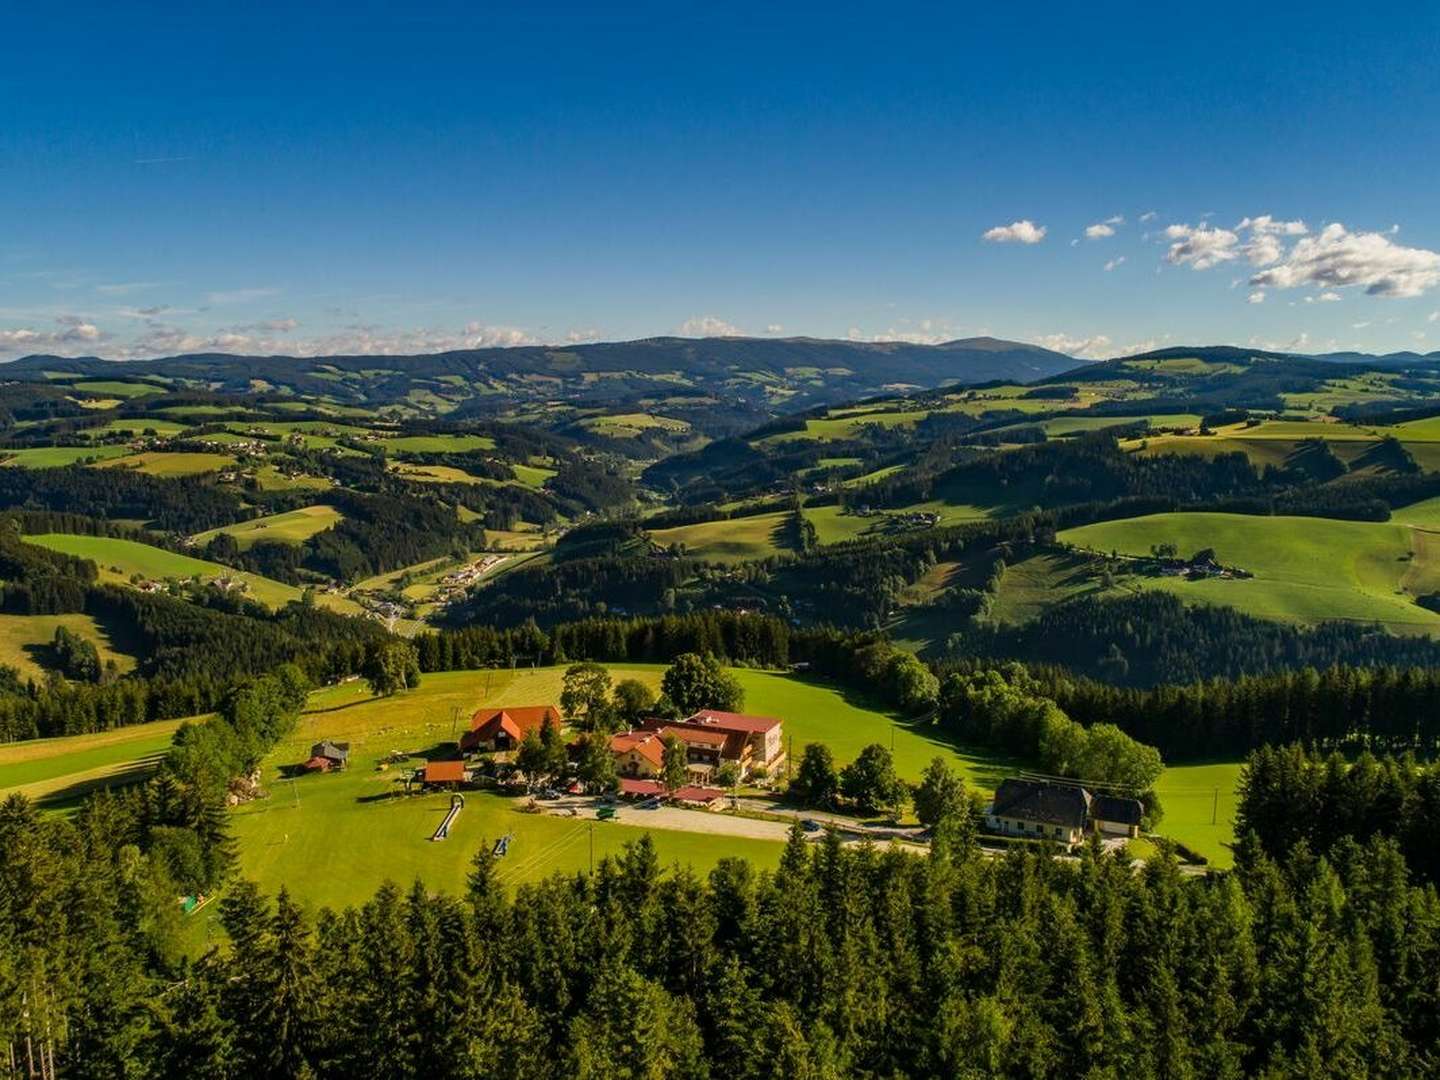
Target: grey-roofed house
[(1115, 815), (337, 754), (1059, 812), (1035, 808)]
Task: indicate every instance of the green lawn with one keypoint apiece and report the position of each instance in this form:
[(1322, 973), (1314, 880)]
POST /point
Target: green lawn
[(1306, 569), (53, 457), (292, 527), (332, 839), (1199, 803), (119, 559), (730, 541)]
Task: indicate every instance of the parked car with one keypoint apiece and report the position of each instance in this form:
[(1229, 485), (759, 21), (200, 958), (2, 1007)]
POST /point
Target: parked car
[(811, 825)]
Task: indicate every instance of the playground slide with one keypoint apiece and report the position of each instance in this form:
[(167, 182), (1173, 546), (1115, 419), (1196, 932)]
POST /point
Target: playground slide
[(457, 803)]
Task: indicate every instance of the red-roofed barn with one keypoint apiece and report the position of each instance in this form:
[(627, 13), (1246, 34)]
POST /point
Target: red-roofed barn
[(505, 729)]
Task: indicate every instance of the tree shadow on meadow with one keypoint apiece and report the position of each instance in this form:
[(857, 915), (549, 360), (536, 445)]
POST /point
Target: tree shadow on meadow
[(986, 767)]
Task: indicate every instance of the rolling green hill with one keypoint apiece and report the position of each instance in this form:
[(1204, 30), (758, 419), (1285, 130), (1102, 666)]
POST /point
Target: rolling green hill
[(1305, 569), (119, 560)]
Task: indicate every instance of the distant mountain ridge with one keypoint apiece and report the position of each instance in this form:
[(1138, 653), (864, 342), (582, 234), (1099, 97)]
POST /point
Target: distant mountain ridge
[(776, 373)]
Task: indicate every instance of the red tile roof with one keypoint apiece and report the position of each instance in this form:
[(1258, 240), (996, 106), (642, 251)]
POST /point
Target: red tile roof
[(752, 725), (691, 793), (697, 735), (517, 721), (640, 787), (642, 742), (445, 772)]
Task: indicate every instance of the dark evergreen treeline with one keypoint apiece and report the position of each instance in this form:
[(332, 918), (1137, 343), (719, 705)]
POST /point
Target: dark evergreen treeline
[(736, 639), (37, 581), (1383, 706), (186, 504), (1154, 638), (1293, 799), (571, 589), (834, 963), (192, 656)]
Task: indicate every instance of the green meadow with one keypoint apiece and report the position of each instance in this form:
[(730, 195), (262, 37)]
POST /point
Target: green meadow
[(55, 457), (331, 839), (732, 540), (1306, 569), (25, 641), (118, 560), (167, 463), (291, 527)]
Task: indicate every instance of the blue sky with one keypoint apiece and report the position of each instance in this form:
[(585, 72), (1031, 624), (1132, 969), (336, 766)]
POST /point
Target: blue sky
[(352, 178)]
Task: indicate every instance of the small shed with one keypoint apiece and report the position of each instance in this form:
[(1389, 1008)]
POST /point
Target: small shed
[(443, 774), (336, 753)]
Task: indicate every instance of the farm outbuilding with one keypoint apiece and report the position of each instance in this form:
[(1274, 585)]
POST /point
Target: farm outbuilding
[(443, 774)]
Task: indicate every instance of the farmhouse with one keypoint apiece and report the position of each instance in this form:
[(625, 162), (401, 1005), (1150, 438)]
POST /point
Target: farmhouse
[(327, 755), (713, 738), (1059, 812), (638, 754), (504, 729)]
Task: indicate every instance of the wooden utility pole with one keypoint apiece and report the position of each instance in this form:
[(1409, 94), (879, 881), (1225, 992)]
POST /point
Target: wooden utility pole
[(1214, 806)]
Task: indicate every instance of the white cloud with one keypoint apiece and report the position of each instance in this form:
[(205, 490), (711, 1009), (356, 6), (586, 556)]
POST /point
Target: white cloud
[(1099, 231), (72, 334), (1434, 316), (1023, 231), (709, 326), (1267, 225), (1256, 297), (774, 328), (1299, 343), (1337, 258), (1200, 246), (1360, 325), (1115, 219), (1119, 260), (1095, 347), (1148, 216)]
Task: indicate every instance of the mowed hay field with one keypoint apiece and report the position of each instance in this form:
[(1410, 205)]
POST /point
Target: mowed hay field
[(735, 540), (292, 527), (164, 463), (25, 640), (67, 767), (119, 559), (55, 457), (1306, 569)]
